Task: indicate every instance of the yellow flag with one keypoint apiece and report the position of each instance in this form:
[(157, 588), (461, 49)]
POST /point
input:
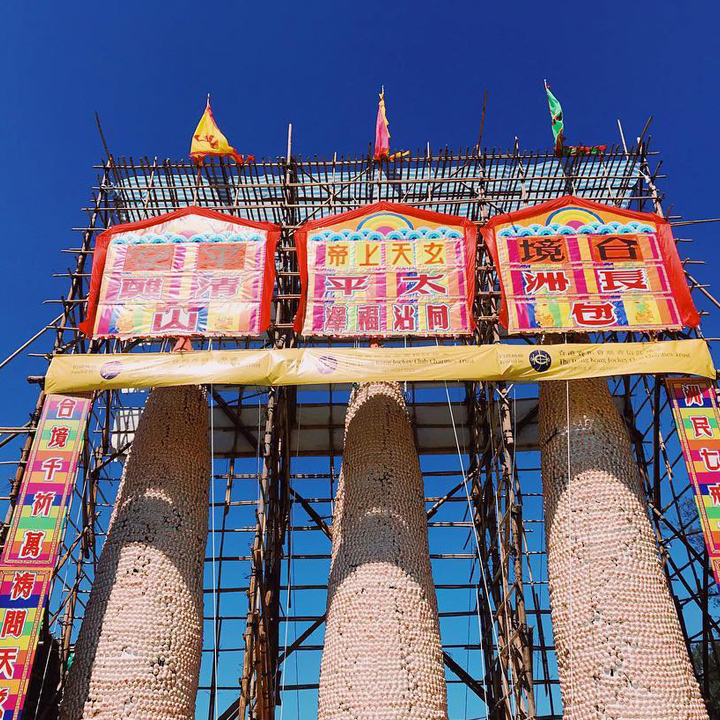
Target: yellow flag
[(209, 140)]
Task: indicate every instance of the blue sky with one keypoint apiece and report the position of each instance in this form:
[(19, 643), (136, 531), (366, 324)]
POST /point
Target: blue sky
[(147, 66)]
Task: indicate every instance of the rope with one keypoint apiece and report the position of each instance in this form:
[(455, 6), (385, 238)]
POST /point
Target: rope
[(572, 531), (212, 546), (467, 640), (259, 442), (297, 671), (502, 568), (477, 546), (288, 600), (287, 605)]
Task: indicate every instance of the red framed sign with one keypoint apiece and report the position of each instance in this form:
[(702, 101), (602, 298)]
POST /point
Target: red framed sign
[(386, 270), (576, 265), (192, 272)]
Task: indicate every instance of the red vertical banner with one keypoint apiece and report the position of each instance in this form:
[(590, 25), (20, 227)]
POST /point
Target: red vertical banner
[(30, 553), (695, 409)]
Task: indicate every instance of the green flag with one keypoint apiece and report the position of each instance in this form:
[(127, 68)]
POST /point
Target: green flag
[(556, 114)]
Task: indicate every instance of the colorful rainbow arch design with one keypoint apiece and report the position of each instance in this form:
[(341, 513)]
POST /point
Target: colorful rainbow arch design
[(573, 216), (385, 222)]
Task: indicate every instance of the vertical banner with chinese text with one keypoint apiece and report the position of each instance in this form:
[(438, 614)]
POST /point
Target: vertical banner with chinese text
[(576, 265), (386, 270), (32, 543), (192, 272), (695, 409)]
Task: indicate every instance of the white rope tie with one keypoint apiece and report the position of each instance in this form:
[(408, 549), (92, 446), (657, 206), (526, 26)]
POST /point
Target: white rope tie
[(212, 546)]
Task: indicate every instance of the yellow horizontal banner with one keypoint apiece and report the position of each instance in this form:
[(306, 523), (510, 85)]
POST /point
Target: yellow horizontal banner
[(312, 366)]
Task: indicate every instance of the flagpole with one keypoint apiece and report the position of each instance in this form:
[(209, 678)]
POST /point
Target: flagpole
[(197, 182), (200, 161), (482, 123)]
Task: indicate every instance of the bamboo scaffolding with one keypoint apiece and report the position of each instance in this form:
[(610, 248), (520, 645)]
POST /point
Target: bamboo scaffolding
[(266, 499)]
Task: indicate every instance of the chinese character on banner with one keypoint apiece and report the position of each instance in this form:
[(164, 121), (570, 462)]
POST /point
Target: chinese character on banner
[(21, 608), (13, 623), (693, 393), (32, 543), (433, 253), (701, 426), (141, 288), (710, 458), (37, 522), (337, 255), (594, 314), (192, 272), (541, 250), (59, 436), (368, 318), (348, 285), (370, 255), (395, 269), (30, 554), (336, 318), (216, 288), (148, 257), (66, 407), (404, 318), (715, 493), (22, 585), (176, 321), (618, 248), (221, 256), (422, 284), (620, 280), (552, 281), (700, 440), (50, 467), (42, 504), (401, 253), (8, 658), (572, 264), (438, 317)]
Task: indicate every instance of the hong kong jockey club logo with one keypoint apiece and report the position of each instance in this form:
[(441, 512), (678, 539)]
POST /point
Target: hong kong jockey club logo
[(326, 364), (540, 360), (111, 369)]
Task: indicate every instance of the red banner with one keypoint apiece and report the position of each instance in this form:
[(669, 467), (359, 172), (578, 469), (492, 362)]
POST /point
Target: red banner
[(576, 265), (695, 409), (192, 272), (386, 270), (31, 548)]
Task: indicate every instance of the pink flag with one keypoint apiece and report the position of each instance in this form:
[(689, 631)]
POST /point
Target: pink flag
[(382, 133)]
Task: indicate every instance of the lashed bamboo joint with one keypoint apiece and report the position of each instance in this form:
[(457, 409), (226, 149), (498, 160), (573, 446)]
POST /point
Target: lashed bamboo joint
[(139, 648), (620, 649), (382, 656)]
